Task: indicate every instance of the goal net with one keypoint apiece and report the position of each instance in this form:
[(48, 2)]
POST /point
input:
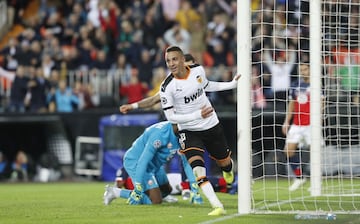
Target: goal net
[(322, 174)]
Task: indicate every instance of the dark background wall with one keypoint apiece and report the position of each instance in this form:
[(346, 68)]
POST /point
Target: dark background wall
[(30, 132)]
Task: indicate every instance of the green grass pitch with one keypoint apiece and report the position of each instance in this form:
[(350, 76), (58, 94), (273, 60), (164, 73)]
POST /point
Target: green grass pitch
[(82, 203)]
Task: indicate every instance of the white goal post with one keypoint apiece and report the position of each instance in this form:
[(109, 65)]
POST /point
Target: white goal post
[(328, 33), (243, 107)]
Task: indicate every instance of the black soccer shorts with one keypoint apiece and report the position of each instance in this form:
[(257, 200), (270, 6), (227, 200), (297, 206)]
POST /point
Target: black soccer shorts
[(213, 140)]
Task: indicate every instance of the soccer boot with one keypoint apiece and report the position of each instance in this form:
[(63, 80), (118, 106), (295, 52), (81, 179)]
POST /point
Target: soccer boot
[(217, 211), (297, 183), (186, 194), (229, 179), (170, 199), (109, 195)]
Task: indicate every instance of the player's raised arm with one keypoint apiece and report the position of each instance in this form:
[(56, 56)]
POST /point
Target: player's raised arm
[(144, 103), (221, 86)]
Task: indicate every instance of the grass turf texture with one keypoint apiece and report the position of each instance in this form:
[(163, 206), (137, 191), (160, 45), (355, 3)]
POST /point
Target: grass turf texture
[(82, 203)]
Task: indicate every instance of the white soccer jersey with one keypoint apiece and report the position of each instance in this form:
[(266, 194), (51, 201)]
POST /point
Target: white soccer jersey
[(186, 96)]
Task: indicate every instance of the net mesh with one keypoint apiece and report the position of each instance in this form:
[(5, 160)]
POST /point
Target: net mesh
[(280, 46)]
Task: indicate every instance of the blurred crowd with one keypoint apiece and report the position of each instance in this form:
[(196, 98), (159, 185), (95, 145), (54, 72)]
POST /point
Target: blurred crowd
[(281, 40), (104, 36), (22, 167), (128, 37), (16, 169), (49, 66)]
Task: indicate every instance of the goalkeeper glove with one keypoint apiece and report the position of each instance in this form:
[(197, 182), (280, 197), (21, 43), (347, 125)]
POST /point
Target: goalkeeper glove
[(136, 195), (194, 187), (195, 198)]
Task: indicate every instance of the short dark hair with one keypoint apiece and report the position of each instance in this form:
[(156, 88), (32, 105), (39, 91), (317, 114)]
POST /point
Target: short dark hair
[(174, 48), (189, 57)]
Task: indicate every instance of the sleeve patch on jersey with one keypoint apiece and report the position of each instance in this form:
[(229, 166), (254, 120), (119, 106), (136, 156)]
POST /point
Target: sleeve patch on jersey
[(163, 100), (157, 144)]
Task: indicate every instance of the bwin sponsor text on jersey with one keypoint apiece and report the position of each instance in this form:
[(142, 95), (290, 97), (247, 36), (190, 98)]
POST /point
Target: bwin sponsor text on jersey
[(188, 99)]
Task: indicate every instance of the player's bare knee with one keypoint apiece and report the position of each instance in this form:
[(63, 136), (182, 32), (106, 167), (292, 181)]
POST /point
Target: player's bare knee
[(154, 195), (156, 201)]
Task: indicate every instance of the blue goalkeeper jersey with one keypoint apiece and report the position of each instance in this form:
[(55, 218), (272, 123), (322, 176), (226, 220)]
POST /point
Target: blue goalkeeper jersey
[(151, 150)]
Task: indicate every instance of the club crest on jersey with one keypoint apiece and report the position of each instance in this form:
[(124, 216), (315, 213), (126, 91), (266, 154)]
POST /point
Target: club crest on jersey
[(302, 98), (169, 145), (182, 145), (163, 100), (157, 144), (199, 79)]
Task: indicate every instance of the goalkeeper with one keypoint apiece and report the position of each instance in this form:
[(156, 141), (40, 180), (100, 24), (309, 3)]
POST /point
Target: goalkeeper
[(144, 162)]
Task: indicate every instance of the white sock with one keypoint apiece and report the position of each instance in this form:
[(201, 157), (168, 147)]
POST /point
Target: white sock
[(209, 193), (207, 188), (116, 191)]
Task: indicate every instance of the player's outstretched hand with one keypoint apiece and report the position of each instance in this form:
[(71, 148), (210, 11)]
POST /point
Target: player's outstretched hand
[(125, 108), (136, 195), (285, 128), (135, 198), (237, 77), (195, 198)]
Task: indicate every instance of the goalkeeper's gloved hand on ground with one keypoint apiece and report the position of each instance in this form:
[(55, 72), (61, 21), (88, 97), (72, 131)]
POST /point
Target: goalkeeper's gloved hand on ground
[(195, 197), (136, 195), (194, 187)]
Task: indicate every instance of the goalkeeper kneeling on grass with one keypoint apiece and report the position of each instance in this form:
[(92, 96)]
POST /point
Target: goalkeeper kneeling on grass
[(144, 162)]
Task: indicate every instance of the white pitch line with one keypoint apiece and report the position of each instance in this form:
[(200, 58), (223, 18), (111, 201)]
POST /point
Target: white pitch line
[(220, 219)]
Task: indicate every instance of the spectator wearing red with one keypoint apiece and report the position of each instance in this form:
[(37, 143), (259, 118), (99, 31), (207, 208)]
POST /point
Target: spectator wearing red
[(134, 91), (108, 20)]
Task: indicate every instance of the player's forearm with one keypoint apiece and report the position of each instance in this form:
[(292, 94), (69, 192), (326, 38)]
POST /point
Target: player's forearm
[(142, 164), (181, 118), (187, 169), (289, 112), (144, 103), (149, 101), (220, 86)]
